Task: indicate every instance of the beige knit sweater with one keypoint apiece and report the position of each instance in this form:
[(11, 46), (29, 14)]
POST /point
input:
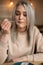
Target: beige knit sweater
[(18, 47)]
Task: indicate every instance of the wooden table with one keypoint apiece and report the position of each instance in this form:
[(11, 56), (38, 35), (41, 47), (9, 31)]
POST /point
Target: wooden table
[(8, 63), (11, 63)]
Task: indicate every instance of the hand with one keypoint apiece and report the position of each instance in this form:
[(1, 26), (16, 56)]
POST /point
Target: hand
[(5, 26), (21, 59), (17, 60)]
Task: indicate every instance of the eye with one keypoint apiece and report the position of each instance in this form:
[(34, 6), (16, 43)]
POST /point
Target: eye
[(24, 14), (17, 13)]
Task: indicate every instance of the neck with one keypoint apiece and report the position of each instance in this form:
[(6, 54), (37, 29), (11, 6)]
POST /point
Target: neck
[(21, 30)]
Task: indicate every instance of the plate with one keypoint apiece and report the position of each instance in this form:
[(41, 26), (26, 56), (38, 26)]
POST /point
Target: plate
[(23, 63)]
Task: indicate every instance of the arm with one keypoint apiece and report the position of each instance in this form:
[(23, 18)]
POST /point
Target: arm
[(38, 40), (3, 49), (39, 44), (3, 55), (5, 26)]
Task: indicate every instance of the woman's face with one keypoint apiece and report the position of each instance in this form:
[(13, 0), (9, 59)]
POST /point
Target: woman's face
[(21, 17)]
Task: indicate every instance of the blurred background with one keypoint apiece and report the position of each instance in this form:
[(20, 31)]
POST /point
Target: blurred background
[(6, 7)]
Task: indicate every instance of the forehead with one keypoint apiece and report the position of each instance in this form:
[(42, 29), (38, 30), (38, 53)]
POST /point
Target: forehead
[(21, 8)]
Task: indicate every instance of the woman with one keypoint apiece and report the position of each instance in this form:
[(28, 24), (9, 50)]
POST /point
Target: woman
[(23, 41)]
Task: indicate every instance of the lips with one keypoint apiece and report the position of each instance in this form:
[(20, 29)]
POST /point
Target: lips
[(20, 21)]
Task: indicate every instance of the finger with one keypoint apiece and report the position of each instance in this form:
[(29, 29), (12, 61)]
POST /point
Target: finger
[(6, 29), (4, 21), (8, 24)]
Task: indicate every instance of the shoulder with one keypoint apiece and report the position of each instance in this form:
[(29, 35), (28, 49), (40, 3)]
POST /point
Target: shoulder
[(36, 30), (36, 33)]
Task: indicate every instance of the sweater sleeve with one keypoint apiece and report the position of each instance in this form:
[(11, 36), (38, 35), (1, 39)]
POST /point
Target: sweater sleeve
[(3, 49), (38, 40), (3, 55), (39, 45)]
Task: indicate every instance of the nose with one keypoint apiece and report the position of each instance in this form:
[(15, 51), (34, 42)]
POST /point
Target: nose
[(21, 17)]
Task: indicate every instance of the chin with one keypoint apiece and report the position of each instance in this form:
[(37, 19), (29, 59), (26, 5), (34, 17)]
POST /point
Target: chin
[(21, 26)]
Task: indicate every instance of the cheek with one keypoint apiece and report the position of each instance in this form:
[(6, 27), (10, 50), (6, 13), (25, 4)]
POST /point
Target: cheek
[(25, 20), (26, 24)]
